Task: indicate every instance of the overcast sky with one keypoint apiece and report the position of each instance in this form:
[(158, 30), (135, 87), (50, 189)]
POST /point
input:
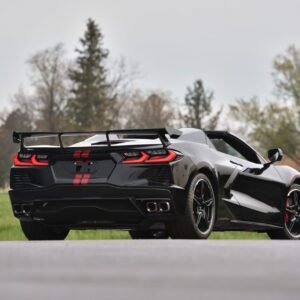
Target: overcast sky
[(230, 44)]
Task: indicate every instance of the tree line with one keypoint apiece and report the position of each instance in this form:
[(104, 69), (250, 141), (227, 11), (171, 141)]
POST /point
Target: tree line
[(275, 123), (89, 94)]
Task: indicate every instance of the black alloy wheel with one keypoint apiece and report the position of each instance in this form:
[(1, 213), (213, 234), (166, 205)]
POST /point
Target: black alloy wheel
[(291, 217), (203, 206), (292, 214), (200, 213)]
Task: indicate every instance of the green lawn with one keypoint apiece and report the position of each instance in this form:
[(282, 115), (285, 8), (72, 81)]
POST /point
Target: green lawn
[(10, 229)]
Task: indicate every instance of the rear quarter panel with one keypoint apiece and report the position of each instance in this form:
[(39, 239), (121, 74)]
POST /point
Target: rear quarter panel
[(289, 175)]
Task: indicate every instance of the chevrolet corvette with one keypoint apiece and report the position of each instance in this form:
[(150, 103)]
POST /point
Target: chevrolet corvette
[(155, 183)]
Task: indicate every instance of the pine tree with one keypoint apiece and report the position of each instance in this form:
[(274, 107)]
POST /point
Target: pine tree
[(87, 108), (198, 102)]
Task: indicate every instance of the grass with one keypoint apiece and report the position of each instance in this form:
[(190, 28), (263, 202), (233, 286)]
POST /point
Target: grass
[(10, 229)]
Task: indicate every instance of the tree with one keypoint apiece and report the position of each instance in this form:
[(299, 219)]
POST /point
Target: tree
[(121, 77), (199, 107), (286, 74), (277, 123), (151, 111), (90, 101), (16, 120), (42, 109), (270, 126), (50, 88)]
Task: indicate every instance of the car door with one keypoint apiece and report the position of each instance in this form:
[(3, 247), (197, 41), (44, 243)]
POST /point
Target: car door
[(259, 194), (259, 191)]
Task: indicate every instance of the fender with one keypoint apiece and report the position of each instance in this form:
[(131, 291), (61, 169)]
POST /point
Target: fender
[(296, 179), (288, 175)]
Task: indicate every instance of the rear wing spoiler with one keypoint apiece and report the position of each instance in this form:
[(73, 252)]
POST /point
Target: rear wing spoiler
[(19, 137)]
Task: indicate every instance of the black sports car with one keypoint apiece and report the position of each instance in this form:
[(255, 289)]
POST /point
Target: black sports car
[(155, 183)]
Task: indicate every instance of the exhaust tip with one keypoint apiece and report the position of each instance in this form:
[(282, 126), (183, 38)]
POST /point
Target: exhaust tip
[(151, 207), (164, 206), (158, 206), (17, 209), (26, 210)]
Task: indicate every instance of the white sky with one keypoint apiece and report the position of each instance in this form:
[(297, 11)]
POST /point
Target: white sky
[(230, 44)]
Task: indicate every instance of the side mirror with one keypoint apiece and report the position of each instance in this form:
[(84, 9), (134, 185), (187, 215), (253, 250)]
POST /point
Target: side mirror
[(275, 155)]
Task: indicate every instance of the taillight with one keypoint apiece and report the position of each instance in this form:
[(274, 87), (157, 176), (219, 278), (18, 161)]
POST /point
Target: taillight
[(40, 160), (138, 158), (151, 156), (24, 160)]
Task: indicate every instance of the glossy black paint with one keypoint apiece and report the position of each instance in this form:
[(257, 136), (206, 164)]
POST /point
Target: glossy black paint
[(250, 195)]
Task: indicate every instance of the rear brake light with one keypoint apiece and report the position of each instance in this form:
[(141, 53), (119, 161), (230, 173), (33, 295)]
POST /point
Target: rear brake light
[(22, 160), (30, 160), (140, 158), (151, 156), (170, 156), (40, 160)]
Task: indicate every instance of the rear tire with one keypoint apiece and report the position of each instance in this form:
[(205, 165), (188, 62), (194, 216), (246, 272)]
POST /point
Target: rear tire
[(147, 235), (291, 226), (35, 231), (200, 212)]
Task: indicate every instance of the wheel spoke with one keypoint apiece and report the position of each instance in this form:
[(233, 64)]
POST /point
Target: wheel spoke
[(291, 211), (291, 226), (199, 217), (209, 213), (206, 219), (296, 202), (202, 186), (208, 202), (197, 200)]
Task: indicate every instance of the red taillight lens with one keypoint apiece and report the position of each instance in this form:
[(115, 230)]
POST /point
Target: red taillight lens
[(25, 160), (40, 160), (140, 158), (22, 160), (152, 156), (170, 156)]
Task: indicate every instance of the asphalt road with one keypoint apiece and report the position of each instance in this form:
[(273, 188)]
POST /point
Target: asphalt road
[(150, 270)]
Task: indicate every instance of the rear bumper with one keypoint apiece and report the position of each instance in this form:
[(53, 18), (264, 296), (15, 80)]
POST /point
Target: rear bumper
[(98, 206)]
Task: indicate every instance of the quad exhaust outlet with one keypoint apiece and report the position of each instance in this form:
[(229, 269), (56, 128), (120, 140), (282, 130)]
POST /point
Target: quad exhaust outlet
[(22, 209), (158, 206)]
